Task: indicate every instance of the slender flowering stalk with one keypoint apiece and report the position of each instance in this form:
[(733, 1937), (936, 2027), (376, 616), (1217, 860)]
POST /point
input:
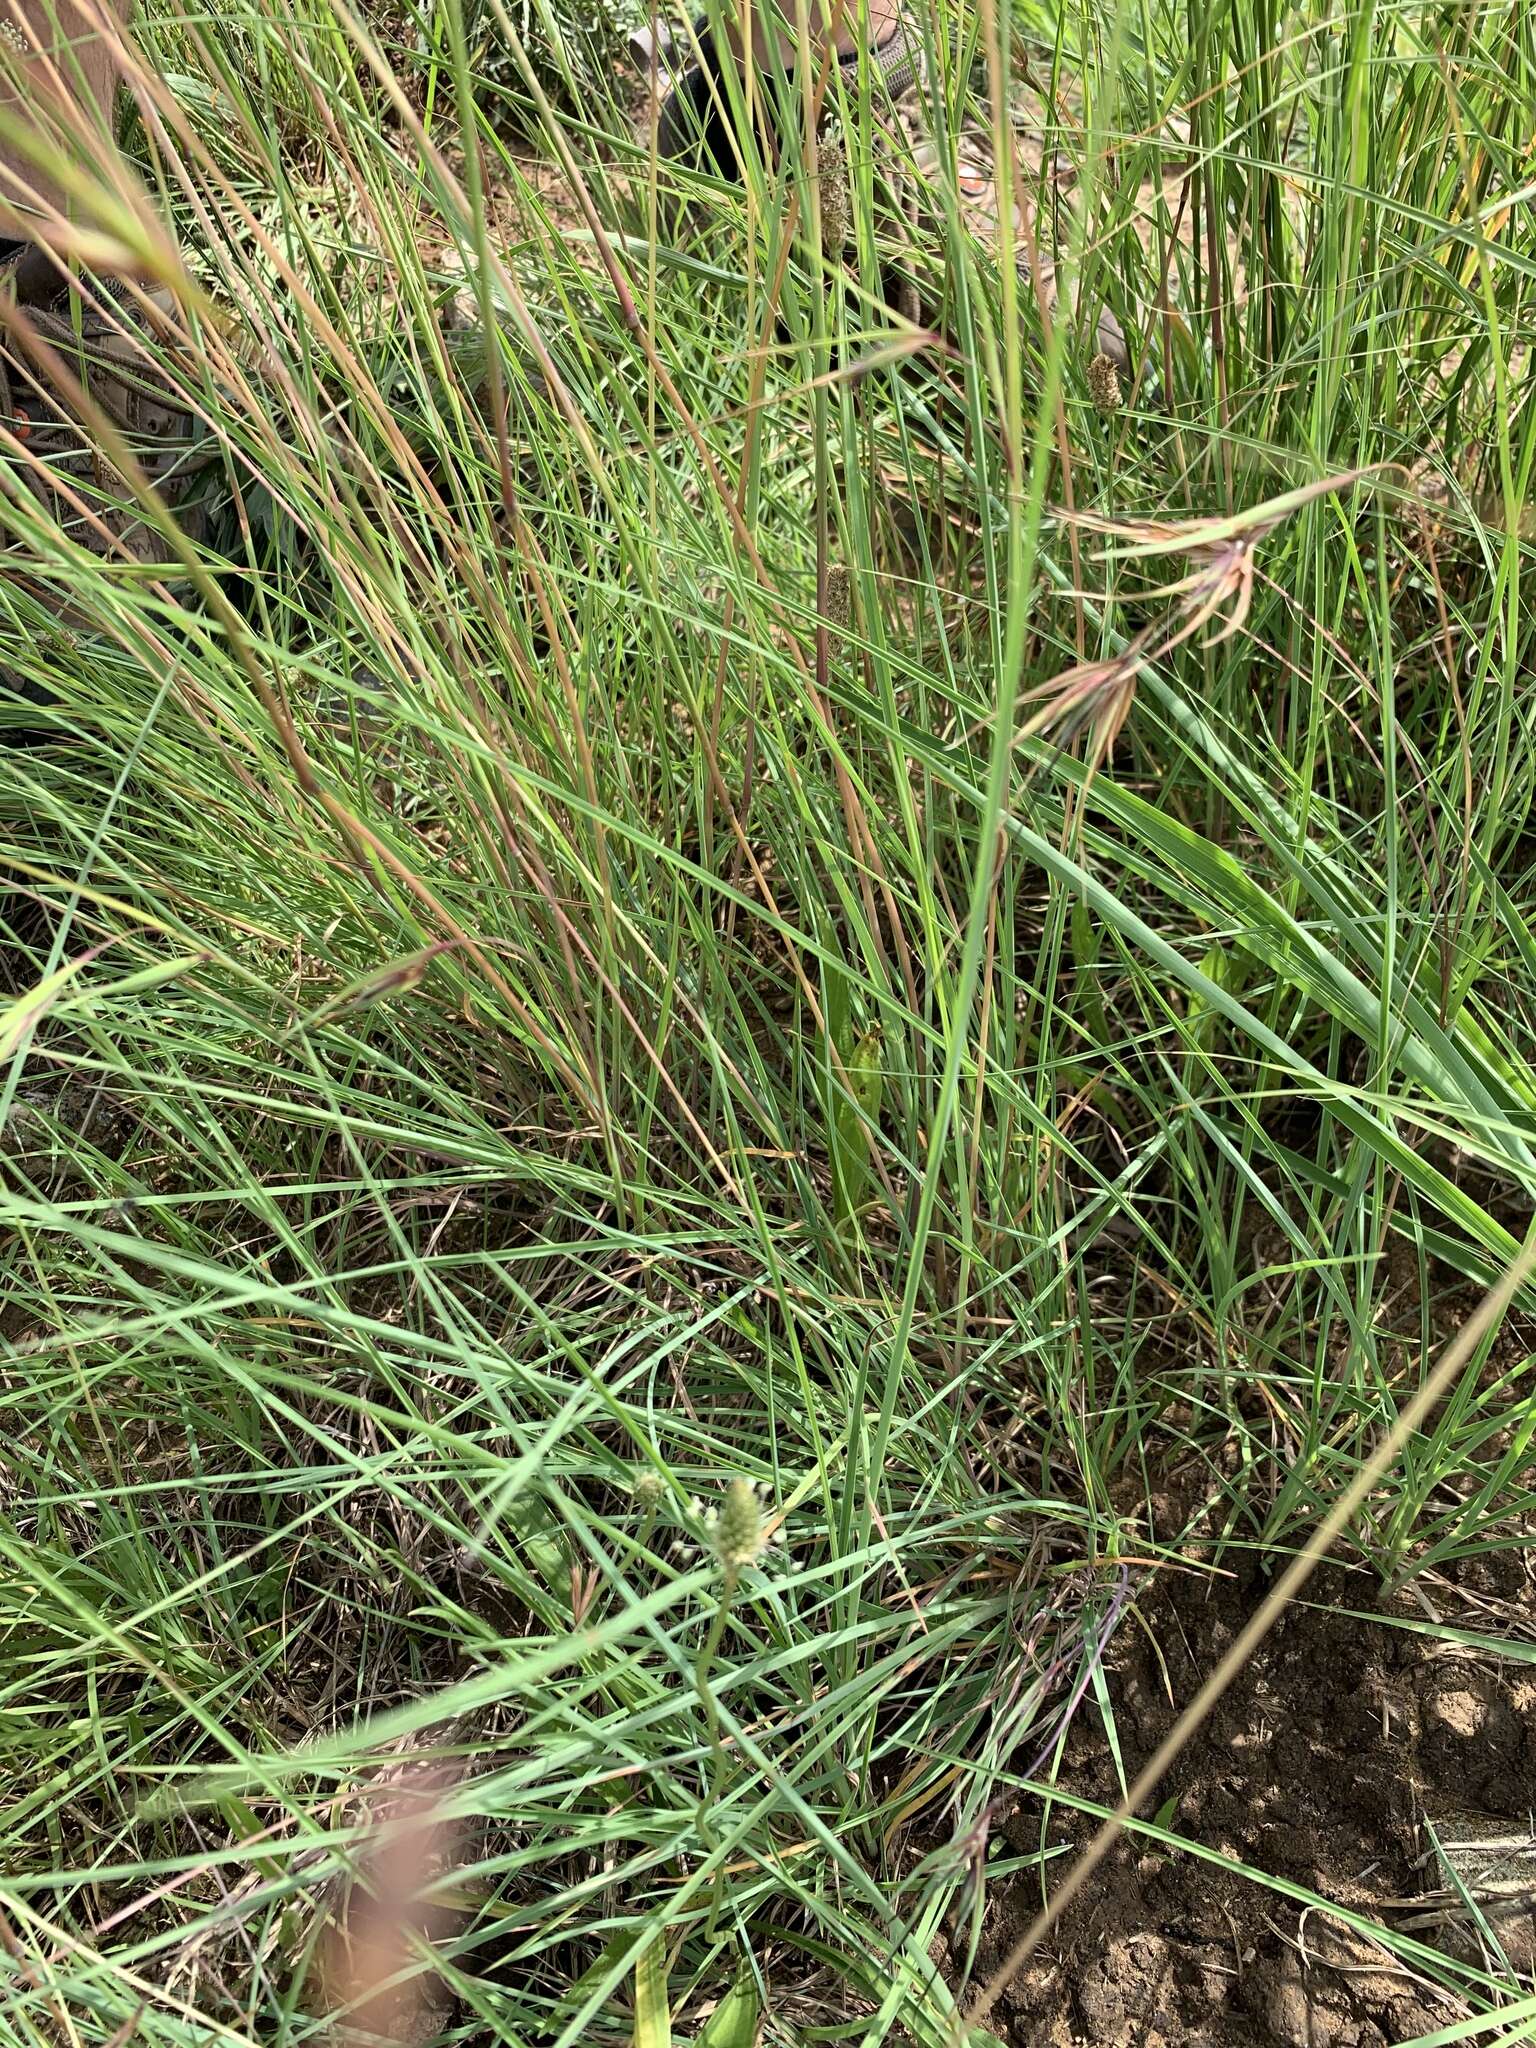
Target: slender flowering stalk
[(736, 1534), (648, 1490)]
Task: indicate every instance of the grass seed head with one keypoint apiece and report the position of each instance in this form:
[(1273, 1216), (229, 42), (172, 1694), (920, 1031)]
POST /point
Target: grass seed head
[(736, 1531), (1104, 386), (839, 598), (832, 176), (648, 1489)]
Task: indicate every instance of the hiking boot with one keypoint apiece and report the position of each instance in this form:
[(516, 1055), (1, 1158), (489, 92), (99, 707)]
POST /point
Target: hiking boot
[(912, 170), (693, 124), (913, 221), (103, 343)]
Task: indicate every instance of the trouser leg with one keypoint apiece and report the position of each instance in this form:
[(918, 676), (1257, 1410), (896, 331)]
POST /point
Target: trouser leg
[(60, 66)]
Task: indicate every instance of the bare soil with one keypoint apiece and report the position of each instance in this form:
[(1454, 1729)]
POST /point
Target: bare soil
[(1320, 1766)]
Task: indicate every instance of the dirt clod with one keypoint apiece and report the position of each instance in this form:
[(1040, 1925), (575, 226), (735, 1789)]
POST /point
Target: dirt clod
[(1318, 1767)]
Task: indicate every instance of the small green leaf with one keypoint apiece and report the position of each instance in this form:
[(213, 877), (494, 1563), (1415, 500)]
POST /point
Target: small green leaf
[(734, 2021), (609, 1957), (866, 1072), (1201, 1019), (653, 2018), (864, 1068), (534, 1530), (548, 1560)]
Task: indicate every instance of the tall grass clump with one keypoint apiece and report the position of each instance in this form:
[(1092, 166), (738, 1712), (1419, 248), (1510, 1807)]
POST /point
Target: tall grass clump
[(688, 886)]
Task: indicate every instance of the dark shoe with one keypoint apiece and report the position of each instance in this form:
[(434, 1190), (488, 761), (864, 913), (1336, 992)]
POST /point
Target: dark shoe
[(693, 128)]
